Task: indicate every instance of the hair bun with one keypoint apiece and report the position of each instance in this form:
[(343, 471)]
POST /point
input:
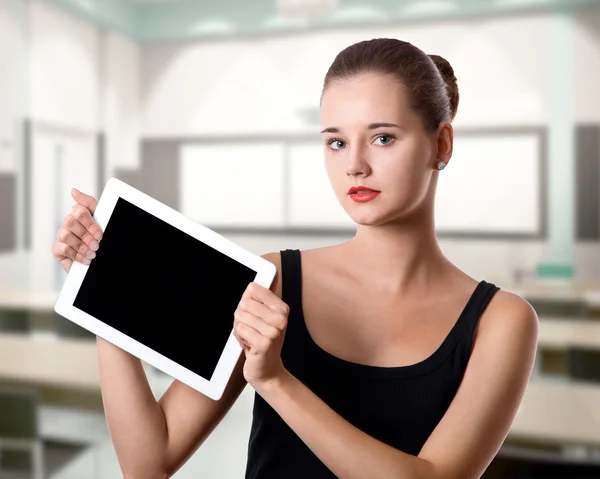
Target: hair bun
[(451, 85)]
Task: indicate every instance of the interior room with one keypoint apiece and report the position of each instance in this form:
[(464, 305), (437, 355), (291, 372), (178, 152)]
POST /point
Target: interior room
[(212, 108)]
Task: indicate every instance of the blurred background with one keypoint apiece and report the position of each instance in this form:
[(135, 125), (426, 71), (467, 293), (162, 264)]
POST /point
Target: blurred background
[(212, 108)]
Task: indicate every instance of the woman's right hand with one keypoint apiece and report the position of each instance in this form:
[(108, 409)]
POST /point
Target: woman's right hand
[(79, 236)]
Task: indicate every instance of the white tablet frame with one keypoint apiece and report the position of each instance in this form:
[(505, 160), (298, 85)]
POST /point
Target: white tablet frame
[(265, 273)]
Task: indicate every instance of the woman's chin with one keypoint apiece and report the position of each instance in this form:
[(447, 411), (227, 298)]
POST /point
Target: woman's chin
[(368, 218)]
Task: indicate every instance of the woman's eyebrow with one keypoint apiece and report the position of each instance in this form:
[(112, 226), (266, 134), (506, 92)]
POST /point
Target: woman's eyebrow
[(370, 126), (373, 126)]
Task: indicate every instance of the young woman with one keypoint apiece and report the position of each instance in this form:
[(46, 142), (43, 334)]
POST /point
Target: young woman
[(374, 358)]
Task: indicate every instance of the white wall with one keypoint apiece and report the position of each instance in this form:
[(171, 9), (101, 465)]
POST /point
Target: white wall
[(11, 31), (501, 65), (587, 66), (234, 86), (63, 69), (85, 79), (82, 80), (121, 101)]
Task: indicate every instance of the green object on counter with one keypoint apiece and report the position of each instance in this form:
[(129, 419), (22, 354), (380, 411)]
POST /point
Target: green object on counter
[(555, 270)]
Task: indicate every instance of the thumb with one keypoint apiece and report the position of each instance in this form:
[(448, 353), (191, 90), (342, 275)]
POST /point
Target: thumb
[(86, 200)]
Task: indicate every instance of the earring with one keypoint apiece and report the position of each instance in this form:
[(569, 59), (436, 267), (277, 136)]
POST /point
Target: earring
[(441, 165)]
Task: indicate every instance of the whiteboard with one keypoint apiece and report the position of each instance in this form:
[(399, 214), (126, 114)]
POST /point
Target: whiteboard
[(312, 201), (492, 184), (232, 184)]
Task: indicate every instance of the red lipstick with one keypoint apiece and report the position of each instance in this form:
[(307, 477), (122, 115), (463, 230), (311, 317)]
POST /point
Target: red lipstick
[(362, 194)]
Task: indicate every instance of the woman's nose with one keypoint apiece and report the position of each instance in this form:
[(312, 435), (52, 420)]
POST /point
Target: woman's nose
[(357, 163)]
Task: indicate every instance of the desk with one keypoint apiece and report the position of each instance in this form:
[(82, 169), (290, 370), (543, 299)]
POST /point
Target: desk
[(561, 333), (15, 299), (49, 361), (558, 413), (592, 298), (557, 290)]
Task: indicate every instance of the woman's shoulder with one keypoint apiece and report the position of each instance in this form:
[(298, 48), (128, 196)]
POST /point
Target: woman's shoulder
[(508, 314), (312, 253)]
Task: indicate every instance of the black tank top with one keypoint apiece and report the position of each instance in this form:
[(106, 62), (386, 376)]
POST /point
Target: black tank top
[(399, 406)]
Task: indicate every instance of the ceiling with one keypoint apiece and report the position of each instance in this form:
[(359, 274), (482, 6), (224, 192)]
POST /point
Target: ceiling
[(166, 20), (155, 1)]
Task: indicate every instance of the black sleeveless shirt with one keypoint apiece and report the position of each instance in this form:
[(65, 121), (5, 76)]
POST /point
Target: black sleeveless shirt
[(399, 406)]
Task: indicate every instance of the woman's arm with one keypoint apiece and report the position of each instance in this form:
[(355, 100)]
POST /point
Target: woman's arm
[(153, 439), (466, 439)]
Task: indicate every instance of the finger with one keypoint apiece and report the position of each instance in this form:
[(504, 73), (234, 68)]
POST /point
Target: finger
[(277, 320), (73, 225), (267, 297), (245, 346), (66, 236), (63, 250), (256, 323), (65, 261), (252, 337), (86, 200), (83, 215)]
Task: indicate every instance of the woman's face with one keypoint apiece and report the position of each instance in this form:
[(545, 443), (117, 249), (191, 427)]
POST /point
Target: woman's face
[(399, 161)]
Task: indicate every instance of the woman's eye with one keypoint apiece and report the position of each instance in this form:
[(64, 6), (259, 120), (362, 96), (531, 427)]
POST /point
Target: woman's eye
[(386, 139), (340, 144)]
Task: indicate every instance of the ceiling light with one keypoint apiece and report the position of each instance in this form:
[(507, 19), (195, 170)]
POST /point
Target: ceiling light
[(358, 13), (278, 22), (213, 27), (433, 6), (306, 8)]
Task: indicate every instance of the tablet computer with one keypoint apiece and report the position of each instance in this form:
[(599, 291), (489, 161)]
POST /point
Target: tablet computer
[(164, 288)]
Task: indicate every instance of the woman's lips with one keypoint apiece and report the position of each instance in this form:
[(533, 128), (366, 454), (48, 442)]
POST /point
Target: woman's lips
[(364, 197)]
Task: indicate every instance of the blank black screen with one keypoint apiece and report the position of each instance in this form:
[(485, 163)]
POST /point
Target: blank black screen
[(163, 288)]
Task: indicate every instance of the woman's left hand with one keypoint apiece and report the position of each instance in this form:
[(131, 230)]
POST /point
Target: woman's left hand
[(259, 326)]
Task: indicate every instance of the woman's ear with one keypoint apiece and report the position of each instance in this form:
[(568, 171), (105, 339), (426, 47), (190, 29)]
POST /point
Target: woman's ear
[(445, 140)]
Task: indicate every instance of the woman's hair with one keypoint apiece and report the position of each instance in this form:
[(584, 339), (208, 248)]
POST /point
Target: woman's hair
[(429, 79)]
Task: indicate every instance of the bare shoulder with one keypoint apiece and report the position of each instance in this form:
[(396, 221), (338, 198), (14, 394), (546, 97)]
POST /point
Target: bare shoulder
[(273, 257), (509, 315)]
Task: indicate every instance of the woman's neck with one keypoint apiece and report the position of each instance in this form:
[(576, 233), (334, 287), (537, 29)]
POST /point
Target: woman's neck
[(397, 258)]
